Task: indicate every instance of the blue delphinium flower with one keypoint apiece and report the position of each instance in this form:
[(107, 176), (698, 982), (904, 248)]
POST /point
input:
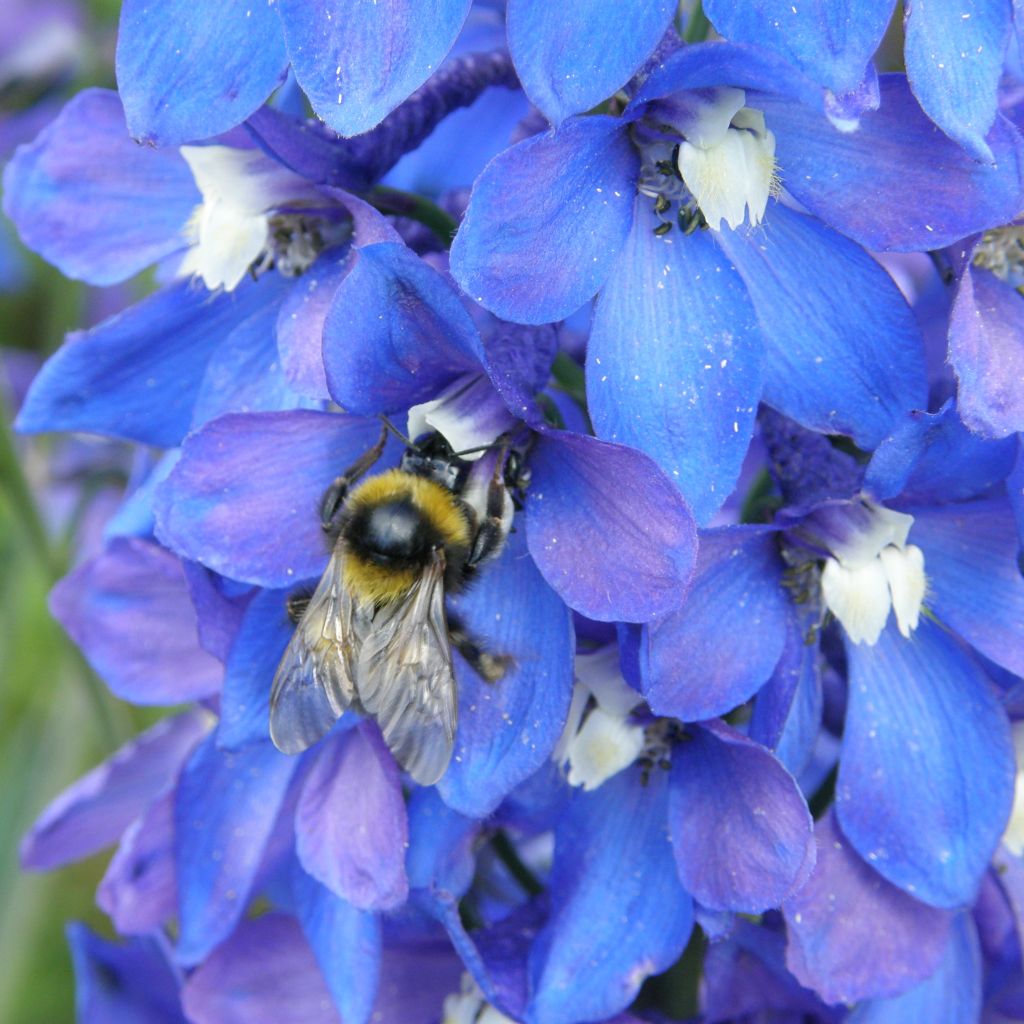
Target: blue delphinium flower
[(691, 327)]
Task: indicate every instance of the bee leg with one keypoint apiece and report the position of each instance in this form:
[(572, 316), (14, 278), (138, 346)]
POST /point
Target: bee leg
[(491, 534), (334, 496), (491, 668), (297, 602)]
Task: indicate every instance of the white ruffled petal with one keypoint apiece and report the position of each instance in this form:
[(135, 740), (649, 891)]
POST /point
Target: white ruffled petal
[(904, 569), (859, 598)]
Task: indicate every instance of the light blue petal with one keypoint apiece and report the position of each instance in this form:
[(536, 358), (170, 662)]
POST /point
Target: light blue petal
[(508, 729), (356, 61), (974, 584), (346, 942), (954, 52), (92, 202), (546, 220), (842, 361), (188, 71), (952, 995), (572, 55), (674, 360), (137, 375), (722, 646), (226, 806), (927, 767), (827, 39), (896, 182), (613, 867)]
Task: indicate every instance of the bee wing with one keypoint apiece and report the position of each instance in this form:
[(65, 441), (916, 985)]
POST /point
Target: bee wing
[(314, 681), (405, 678)]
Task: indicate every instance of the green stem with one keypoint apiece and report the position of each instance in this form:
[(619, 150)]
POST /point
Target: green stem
[(509, 856), (697, 25), (405, 204)]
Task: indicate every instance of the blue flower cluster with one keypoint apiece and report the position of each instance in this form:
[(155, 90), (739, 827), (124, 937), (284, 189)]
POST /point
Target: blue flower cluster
[(700, 353)]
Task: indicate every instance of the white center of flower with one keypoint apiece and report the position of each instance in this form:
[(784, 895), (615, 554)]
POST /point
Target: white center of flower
[(231, 229), (1013, 837), (599, 740), (872, 571), (728, 159), (470, 1007)]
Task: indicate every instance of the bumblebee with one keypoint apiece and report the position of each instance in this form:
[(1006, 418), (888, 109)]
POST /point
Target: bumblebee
[(375, 635)]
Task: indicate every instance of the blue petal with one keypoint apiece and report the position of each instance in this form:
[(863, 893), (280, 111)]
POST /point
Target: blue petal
[(351, 830), (91, 201), (508, 729), (986, 349), (94, 811), (974, 584), (137, 375), (130, 983), (951, 995), (721, 647), (187, 71), (927, 767), (788, 710), (741, 832), (607, 529), (245, 699), (613, 864), (954, 57), (396, 333), (852, 935), (227, 803), (243, 500), (934, 457), (826, 39), (842, 361), (674, 359), (129, 611), (346, 942), (546, 221), (441, 856), (572, 55), (244, 373), (897, 182), (357, 61)]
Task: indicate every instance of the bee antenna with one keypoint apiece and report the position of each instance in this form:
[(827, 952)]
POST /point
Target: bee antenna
[(401, 437)]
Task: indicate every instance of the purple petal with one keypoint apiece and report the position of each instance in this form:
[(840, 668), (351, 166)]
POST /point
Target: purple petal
[(571, 56), (613, 865), (741, 832), (823, 39), (546, 221), (219, 608), (396, 333), (986, 349), (974, 584), (136, 375), (508, 729), (129, 611), (139, 891), (954, 59), (92, 202), (927, 768), (950, 996), (897, 182), (356, 61), (351, 829), (226, 806), (244, 498), (346, 942), (674, 359), (94, 811), (840, 363), (583, 493), (264, 974), (188, 71), (131, 984), (852, 935), (688, 671)]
